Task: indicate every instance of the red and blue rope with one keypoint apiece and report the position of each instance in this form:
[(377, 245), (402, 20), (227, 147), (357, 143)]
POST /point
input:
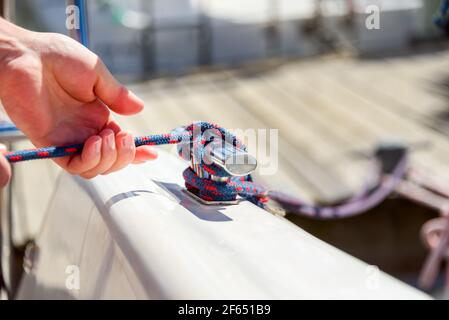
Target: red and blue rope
[(199, 178), (70, 150)]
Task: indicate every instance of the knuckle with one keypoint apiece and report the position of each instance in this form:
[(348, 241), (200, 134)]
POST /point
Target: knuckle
[(108, 158), (119, 165), (109, 171), (58, 37), (88, 176), (72, 171), (106, 132), (126, 159)]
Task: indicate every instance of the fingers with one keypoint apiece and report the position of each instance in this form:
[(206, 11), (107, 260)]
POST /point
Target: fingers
[(108, 152), (5, 168), (144, 154), (90, 157), (126, 151), (108, 155), (113, 94), (114, 126)]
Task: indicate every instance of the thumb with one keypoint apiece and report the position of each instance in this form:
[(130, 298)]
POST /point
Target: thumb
[(113, 94), (5, 168)]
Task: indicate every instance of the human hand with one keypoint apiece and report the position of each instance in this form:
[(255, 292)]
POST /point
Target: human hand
[(58, 92), (5, 168)]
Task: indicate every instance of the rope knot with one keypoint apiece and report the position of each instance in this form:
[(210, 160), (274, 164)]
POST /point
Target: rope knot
[(219, 164)]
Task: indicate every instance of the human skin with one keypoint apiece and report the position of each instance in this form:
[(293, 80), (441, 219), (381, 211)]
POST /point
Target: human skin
[(5, 169), (57, 92)]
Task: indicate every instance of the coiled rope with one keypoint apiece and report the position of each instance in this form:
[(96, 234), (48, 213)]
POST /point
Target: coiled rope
[(213, 183)]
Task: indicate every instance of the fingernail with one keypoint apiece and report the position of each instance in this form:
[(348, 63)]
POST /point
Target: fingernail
[(110, 141), (128, 141), (134, 96), (98, 146)]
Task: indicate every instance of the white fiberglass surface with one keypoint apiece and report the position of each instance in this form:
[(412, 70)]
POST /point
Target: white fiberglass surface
[(182, 249)]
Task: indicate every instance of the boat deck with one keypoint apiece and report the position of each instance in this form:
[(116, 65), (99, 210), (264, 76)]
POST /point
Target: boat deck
[(326, 109)]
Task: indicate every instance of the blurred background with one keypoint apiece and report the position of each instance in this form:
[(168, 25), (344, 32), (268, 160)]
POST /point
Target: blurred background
[(141, 38), (311, 69)]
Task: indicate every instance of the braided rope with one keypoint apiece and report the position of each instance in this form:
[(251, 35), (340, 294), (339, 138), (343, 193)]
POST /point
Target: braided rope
[(195, 140), (196, 181)]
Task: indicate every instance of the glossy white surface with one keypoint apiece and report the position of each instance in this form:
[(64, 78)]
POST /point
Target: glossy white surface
[(135, 234)]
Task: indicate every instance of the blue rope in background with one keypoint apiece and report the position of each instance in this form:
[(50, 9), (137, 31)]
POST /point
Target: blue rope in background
[(441, 18)]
